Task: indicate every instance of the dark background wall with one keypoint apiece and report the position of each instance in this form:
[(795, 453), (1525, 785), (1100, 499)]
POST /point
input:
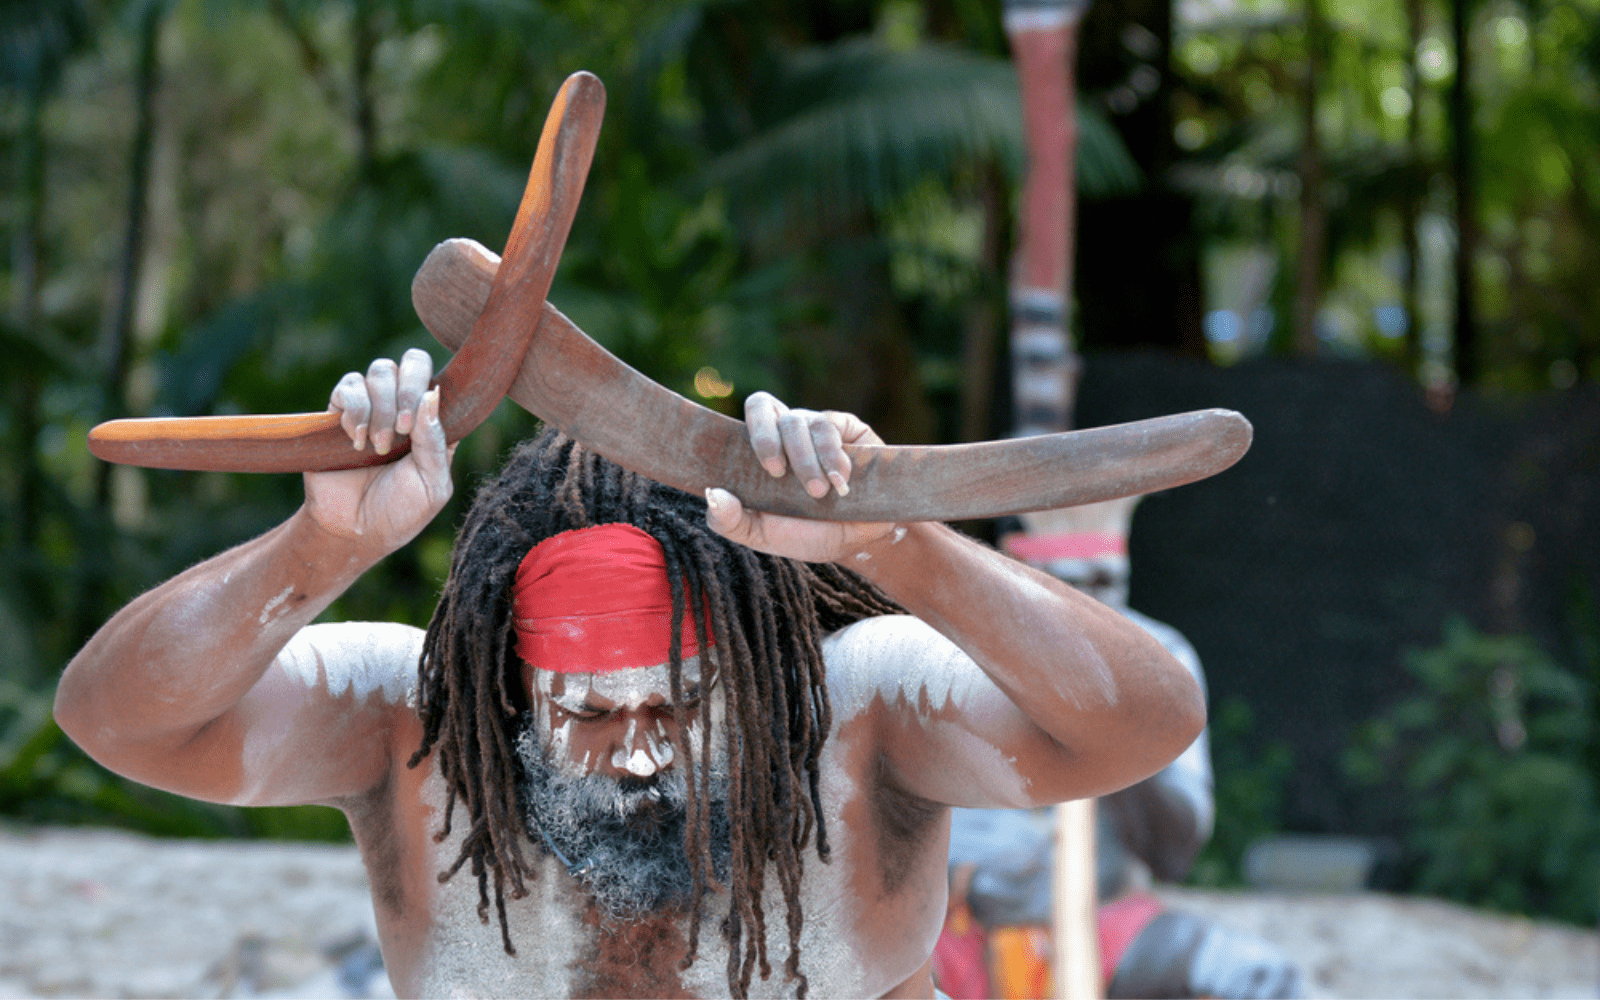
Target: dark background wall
[(1358, 522)]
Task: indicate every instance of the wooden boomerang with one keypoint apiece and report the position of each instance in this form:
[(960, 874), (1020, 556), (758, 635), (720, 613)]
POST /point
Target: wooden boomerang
[(470, 386), (568, 380)]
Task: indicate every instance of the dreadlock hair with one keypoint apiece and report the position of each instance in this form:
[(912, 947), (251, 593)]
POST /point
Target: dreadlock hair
[(767, 617)]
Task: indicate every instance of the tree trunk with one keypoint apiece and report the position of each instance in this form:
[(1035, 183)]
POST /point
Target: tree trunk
[(1461, 169), (1313, 214), (1409, 208), (364, 41), (116, 333), (25, 314), (981, 335)]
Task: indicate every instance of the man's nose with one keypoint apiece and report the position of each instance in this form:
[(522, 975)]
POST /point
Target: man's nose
[(645, 749)]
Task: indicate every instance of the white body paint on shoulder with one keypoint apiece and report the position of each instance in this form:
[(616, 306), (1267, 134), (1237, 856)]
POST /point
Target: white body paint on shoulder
[(900, 658), (356, 658), (905, 661)]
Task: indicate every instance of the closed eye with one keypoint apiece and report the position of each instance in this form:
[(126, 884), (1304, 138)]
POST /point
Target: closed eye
[(584, 713)]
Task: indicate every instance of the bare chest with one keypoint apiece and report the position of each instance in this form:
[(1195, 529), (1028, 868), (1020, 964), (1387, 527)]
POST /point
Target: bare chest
[(870, 916)]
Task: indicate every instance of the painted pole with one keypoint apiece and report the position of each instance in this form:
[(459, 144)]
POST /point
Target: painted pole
[(1043, 36), (1044, 379)]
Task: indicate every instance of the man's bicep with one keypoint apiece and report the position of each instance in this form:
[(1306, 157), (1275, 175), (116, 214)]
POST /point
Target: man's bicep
[(318, 724), (950, 734)]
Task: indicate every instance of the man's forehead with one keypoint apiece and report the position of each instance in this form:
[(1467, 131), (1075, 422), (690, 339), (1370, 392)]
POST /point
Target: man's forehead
[(629, 688)]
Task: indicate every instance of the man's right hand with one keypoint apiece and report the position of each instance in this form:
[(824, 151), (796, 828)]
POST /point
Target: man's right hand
[(382, 507)]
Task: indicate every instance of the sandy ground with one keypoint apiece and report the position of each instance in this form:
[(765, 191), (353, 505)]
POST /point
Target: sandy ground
[(103, 914), (1374, 945)]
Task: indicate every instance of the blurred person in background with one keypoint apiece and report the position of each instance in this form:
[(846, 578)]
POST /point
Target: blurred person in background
[(997, 940)]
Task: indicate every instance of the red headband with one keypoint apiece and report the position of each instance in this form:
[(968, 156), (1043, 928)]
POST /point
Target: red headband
[(593, 600)]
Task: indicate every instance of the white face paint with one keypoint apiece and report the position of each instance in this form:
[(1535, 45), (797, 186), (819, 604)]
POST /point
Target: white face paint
[(646, 745)]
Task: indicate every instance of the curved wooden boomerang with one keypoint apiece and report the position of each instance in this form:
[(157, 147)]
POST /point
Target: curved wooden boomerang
[(474, 381), (568, 380)]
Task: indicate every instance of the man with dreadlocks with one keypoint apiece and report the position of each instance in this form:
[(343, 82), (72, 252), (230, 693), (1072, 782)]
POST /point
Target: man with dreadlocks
[(651, 744)]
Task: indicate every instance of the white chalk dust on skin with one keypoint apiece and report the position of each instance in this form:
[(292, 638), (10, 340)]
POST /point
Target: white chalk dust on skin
[(465, 957), (355, 658), (273, 605), (103, 914)]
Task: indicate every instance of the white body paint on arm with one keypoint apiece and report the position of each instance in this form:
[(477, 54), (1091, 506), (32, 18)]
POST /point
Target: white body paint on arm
[(275, 603), (901, 659)]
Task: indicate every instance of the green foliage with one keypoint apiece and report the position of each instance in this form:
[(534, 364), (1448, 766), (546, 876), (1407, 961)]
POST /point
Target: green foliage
[(1385, 139), (1493, 754), (1249, 794), (36, 36)]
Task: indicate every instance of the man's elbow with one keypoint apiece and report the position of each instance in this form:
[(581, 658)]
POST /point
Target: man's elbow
[(1191, 710), (1186, 711), (74, 716), (1172, 717), (88, 715)]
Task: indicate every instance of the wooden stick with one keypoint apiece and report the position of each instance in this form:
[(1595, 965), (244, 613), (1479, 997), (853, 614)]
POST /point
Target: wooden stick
[(1075, 961)]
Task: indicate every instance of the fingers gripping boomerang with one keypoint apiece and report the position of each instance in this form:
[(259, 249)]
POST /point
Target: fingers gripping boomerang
[(470, 386), (510, 341)]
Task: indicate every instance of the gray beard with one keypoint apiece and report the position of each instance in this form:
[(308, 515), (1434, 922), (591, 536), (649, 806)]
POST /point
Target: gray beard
[(622, 839)]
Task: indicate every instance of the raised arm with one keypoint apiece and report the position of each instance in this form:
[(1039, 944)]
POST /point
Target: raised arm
[(212, 685), (1009, 688)]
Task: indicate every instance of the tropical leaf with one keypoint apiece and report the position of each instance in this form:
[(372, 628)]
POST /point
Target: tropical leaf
[(855, 126)]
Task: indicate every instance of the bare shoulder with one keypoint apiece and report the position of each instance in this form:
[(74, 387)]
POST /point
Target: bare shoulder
[(359, 660)]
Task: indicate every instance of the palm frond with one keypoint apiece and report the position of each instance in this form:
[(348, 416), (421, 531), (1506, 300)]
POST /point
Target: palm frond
[(855, 126)]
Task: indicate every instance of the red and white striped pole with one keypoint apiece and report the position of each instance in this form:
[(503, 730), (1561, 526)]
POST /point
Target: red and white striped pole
[(1044, 36)]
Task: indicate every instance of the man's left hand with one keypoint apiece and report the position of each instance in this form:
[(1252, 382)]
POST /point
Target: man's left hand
[(810, 443)]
